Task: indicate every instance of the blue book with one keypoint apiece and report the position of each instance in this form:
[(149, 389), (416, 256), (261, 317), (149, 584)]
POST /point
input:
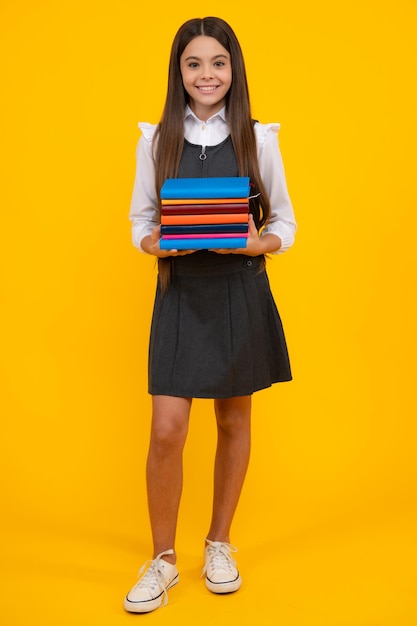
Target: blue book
[(197, 188), (201, 229), (210, 243)]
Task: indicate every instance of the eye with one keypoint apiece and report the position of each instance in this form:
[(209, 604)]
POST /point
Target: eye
[(193, 64), (219, 63)]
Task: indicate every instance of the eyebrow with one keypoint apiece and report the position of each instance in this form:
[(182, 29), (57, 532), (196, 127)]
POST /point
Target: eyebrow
[(218, 56)]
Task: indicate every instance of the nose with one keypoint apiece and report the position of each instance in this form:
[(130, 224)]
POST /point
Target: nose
[(206, 72)]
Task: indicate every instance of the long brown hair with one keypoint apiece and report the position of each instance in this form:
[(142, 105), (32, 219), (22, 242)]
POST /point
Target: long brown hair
[(170, 132)]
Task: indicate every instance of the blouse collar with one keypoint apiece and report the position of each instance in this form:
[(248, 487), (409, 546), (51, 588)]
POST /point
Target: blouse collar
[(189, 113)]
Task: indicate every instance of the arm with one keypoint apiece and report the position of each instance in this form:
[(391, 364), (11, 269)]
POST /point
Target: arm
[(281, 223), (278, 234), (144, 205), (144, 213)]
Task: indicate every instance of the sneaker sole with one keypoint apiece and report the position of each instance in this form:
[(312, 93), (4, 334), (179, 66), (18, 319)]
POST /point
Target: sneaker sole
[(146, 606), (229, 587)]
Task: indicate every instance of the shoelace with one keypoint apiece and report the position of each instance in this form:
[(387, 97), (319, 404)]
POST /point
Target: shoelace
[(219, 556), (154, 578)]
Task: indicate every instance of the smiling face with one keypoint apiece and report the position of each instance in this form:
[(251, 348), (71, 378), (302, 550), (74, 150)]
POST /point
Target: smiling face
[(206, 72)]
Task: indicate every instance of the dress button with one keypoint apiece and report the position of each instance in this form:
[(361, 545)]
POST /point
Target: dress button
[(249, 262)]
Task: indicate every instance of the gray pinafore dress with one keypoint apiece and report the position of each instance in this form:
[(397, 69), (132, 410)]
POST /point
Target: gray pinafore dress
[(216, 331)]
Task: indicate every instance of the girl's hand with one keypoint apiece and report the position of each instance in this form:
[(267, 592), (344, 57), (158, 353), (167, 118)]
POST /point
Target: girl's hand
[(150, 244), (255, 245)]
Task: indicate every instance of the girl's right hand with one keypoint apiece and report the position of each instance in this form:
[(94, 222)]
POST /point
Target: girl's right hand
[(150, 244)]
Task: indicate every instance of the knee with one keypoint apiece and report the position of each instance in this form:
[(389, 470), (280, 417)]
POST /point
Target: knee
[(169, 434), (230, 424), (232, 417)]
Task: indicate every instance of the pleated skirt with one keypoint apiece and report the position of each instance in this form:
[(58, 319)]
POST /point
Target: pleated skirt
[(216, 331)]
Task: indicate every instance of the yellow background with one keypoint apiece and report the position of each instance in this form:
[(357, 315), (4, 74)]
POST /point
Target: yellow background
[(327, 518)]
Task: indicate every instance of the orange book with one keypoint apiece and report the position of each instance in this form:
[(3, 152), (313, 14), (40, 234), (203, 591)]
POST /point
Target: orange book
[(213, 218)]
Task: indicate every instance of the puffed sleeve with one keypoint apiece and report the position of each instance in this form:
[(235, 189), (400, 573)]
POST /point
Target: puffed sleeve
[(144, 205), (281, 221)]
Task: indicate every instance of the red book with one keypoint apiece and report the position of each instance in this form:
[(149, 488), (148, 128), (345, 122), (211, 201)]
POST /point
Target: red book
[(191, 209)]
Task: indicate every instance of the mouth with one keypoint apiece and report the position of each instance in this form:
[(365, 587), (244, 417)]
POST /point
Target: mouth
[(207, 89)]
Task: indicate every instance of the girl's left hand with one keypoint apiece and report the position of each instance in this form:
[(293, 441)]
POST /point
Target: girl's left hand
[(255, 245)]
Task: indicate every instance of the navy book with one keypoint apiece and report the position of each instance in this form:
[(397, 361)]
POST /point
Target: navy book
[(201, 229)]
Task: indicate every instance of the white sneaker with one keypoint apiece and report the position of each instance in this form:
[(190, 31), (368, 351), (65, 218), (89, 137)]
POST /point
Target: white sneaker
[(222, 575), (150, 592)]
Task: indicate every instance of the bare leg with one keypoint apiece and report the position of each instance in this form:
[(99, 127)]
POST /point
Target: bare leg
[(232, 459), (164, 471)]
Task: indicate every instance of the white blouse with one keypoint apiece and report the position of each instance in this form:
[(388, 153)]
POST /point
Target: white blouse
[(144, 206)]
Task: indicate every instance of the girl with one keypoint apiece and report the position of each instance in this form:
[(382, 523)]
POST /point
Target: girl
[(216, 332)]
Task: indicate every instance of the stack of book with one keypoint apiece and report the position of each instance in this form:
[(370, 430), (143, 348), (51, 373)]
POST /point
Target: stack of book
[(204, 213)]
